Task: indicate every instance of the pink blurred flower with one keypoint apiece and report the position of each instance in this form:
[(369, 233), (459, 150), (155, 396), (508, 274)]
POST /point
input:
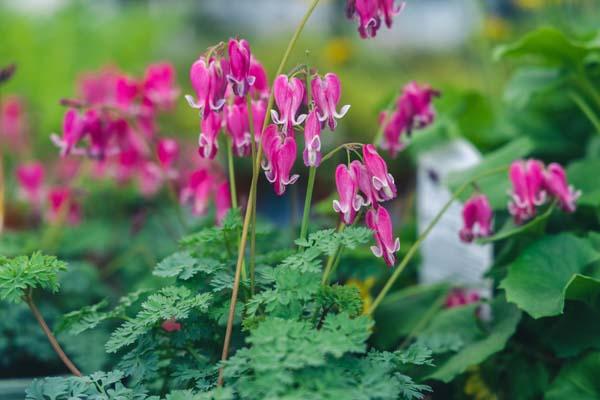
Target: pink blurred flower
[(289, 94), (31, 180), (312, 140), (346, 181), (380, 222), (167, 150), (209, 82), (280, 154), (477, 218), (171, 325), (326, 93), (382, 182), (461, 297), (239, 62), (236, 120), (222, 201), (260, 88), (395, 126), (416, 101), (197, 191), (259, 112), (159, 85), (207, 142), (150, 178), (99, 87), (370, 12), (73, 130), (63, 206), (127, 90), (529, 190), (13, 122), (555, 181)]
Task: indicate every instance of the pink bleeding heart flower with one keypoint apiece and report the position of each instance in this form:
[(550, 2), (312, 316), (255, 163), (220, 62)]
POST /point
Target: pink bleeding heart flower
[(127, 91), (394, 128), (477, 218), (529, 191), (289, 94), (239, 61), (13, 124), (364, 183), (382, 182), (207, 142), (209, 82), (222, 201), (326, 93), (346, 181), (197, 190), (63, 206), (150, 179), (167, 151), (31, 179), (555, 181), (259, 112), (100, 133), (73, 132), (370, 12), (236, 120), (416, 103), (171, 325), (389, 9), (461, 297), (99, 87), (280, 154), (380, 222), (312, 140), (260, 88), (159, 86)]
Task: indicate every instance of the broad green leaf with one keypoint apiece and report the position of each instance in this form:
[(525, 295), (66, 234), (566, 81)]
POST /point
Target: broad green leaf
[(528, 82), (583, 176), (574, 332), (550, 46), (578, 380), (537, 280), (479, 344)]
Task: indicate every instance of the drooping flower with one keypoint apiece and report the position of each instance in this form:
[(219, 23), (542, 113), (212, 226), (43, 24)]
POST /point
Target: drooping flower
[(370, 12), (346, 181), (197, 191), (364, 183), (236, 120), (31, 179), (13, 124), (260, 88), (389, 9), (381, 180), (380, 222), (416, 103), (312, 140), (167, 151), (280, 154), (73, 126), (461, 297), (127, 91), (63, 206), (239, 60), (259, 112), (289, 94), (326, 93), (171, 325), (529, 191), (207, 142), (477, 218), (98, 87), (555, 181), (395, 126), (209, 82), (159, 86), (222, 201)]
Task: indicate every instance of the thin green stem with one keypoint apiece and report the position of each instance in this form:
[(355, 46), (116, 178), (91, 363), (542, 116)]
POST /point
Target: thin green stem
[(252, 198), (340, 147), (254, 172), (413, 249), (312, 171), (586, 109), (589, 87), (332, 258), (231, 170)]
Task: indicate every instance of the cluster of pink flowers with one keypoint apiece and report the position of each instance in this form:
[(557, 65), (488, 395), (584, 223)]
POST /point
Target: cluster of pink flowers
[(369, 14), (461, 297), (13, 123), (533, 185), (414, 110), (60, 202), (221, 85), (203, 184), (368, 184)]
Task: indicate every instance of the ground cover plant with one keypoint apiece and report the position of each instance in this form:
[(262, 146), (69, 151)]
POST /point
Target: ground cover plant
[(217, 303)]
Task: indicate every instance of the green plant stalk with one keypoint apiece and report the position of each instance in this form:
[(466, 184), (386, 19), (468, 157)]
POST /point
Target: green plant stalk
[(255, 171), (250, 208), (586, 109), (53, 342), (413, 249), (429, 314), (312, 171), (332, 258), (231, 171)]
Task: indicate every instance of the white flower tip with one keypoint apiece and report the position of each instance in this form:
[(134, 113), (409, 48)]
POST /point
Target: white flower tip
[(192, 102)]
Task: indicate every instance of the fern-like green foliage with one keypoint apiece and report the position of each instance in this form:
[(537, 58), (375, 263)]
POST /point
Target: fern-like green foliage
[(169, 303), (21, 273)]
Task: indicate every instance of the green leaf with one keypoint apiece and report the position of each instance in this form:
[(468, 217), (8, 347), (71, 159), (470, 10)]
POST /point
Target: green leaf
[(581, 175), (19, 274), (537, 280), (575, 331), (184, 266), (479, 345), (528, 82), (550, 46), (578, 380)]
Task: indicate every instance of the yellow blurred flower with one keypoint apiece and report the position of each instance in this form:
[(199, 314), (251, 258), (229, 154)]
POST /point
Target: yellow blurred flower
[(495, 28), (338, 51), (364, 288), (476, 387)]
